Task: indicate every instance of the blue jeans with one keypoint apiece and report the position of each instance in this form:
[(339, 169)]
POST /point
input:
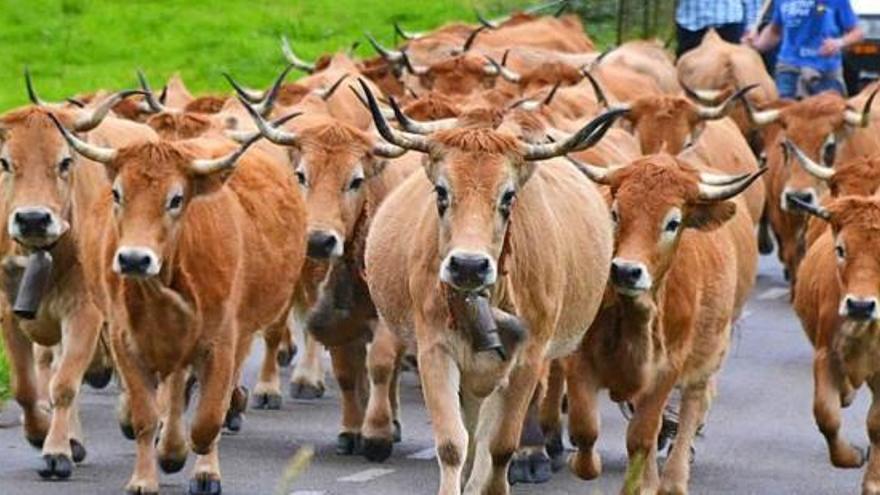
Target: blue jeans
[(790, 86)]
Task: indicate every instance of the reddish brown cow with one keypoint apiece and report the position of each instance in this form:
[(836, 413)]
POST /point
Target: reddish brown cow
[(167, 249)]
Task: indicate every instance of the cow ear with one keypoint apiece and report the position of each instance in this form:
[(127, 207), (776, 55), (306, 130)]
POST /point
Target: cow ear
[(209, 184), (710, 216)]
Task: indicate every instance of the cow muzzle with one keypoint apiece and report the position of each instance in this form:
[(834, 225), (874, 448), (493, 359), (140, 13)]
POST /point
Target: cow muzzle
[(860, 308), (807, 196), (136, 262), (468, 271), (35, 226), (630, 278), (324, 244)]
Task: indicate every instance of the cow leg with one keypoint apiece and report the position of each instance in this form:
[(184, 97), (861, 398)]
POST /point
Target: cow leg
[(383, 363), (694, 404), (765, 238), (871, 481), (79, 338), (531, 464), (172, 448), (100, 370), (349, 368), (641, 436), (583, 417), (470, 409), (45, 356), (206, 472), (551, 414), (440, 377), (238, 397), (500, 426), (307, 380), (287, 347), (141, 389), (123, 413), (826, 409), (267, 392), (20, 352)]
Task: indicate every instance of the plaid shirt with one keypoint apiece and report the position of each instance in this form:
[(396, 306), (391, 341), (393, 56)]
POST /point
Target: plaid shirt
[(695, 15)]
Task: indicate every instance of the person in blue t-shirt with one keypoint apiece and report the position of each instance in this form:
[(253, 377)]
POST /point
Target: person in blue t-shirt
[(813, 33)]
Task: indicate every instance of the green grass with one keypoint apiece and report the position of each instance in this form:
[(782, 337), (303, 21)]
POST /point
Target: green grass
[(4, 374)]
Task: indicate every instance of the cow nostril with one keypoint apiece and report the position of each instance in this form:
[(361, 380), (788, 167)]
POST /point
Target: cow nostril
[(33, 222), (860, 308), (322, 244)]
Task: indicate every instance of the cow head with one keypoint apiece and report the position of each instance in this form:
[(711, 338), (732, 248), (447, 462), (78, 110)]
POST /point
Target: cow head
[(477, 173), (153, 186), (859, 176), (855, 223), (817, 126), (654, 200), (37, 168)]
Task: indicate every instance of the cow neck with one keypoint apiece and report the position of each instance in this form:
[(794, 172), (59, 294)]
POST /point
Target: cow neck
[(639, 323)]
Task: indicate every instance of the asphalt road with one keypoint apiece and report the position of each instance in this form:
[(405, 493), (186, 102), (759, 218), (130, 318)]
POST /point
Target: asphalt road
[(760, 437)]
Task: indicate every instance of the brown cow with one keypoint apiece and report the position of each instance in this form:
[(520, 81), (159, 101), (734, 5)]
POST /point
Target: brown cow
[(167, 249), (837, 302), (427, 251), (47, 196), (668, 317)]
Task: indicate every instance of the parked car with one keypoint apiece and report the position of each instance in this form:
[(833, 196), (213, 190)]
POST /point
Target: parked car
[(862, 61)]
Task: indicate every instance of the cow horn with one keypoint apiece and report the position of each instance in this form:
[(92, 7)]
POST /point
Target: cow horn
[(704, 96), (90, 151), (708, 192), (388, 113), (210, 166), (496, 69), (762, 118), (599, 175), (404, 34), (267, 101), (863, 119), (720, 111), (486, 22), (242, 137), (720, 179), (400, 139), (587, 136), (469, 42), (416, 70), (815, 210), (75, 102), (549, 98), (326, 93), (813, 168), (252, 96), (29, 84), (272, 133), (150, 103), (293, 60), (597, 89), (393, 56), (91, 119), (417, 127)]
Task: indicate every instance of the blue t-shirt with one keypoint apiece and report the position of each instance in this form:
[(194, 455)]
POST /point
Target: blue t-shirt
[(806, 24)]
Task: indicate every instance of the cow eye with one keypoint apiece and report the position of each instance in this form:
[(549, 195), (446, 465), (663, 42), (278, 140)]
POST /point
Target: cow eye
[(506, 204), (356, 183), (840, 251), (442, 199), (615, 217), (64, 165), (175, 202), (301, 177), (4, 163), (829, 151), (117, 196), (673, 225)]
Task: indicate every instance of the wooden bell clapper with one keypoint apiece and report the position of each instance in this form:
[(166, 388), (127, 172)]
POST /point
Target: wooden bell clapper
[(34, 283)]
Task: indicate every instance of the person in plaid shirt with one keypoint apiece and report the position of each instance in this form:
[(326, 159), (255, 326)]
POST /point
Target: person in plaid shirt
[(730, 18)]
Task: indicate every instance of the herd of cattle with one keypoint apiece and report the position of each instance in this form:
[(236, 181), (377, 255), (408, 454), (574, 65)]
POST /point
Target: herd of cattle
[(533, 220)]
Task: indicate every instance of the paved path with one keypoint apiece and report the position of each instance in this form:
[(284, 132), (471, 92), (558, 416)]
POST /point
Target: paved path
[(760, 437)]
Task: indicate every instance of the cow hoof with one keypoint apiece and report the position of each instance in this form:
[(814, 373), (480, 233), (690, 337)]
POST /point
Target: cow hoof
[(233, 421), (585, 465), (377, 449), (57, 466), (396, 434), (285, 355), (36, 442), (204, 486), (533, 467), (127, 431), (267, 401), (170, 465), (556, 451), (139, 490), (348, 444), (77, 450), (765, 243), (668, 431), (99, 379), (306, 391)]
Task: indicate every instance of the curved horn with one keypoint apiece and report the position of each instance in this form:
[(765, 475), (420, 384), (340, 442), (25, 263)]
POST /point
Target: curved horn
[(597, 89), (704, 96), (721, 179), (416, 127), (251, 95), (272, 133), (93, 119), (267, 103), (386, 112), (818, 171), (213, 165), (469, 42), (293, 60), (400, 139), (416, 70), (587, 136), (29, 84), (242, 137), (393, 56), (549, 98), (599, 175), (75, 102), (405, 35), (809, 208), (720, 193), (150, 103), (762, 118), (486, 22), (862, 119), (386, 150), (326, 93), (90, 151), (496, 68), (720, 111)]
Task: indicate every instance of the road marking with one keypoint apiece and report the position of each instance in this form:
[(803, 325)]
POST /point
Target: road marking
[(774, 293), (423, 455), (365, 475)]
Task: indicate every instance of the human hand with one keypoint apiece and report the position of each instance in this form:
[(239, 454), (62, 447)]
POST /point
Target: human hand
[(830, 47)]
